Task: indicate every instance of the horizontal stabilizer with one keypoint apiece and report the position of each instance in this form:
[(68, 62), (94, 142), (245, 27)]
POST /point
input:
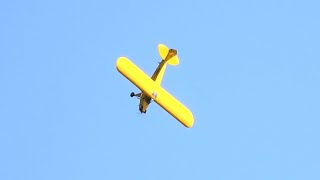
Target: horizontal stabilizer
[(169, 55), (155, 91)]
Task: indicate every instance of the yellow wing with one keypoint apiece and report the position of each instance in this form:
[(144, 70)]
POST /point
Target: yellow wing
[(155, 91)]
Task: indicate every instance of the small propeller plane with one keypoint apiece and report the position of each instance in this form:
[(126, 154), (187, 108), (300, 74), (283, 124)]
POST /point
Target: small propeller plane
[(151, 88)]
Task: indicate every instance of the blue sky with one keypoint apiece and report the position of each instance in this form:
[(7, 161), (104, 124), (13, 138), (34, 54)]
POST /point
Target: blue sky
[(249, 71)]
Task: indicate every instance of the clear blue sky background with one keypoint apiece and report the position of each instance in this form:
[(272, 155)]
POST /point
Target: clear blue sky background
[(249, 71)]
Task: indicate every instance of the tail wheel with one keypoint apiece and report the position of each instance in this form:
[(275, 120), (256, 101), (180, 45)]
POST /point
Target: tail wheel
[(132, 94)]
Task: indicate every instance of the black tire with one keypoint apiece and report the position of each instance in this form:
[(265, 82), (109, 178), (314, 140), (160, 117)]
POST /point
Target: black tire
[(132, 94)]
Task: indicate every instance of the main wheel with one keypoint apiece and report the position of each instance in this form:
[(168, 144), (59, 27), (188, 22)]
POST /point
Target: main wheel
[(132, 94)]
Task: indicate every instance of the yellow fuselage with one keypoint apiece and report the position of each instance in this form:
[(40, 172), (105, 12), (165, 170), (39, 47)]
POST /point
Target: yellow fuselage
[(157, 77)]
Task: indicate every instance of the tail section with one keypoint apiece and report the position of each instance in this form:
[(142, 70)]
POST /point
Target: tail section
[(169, 55)]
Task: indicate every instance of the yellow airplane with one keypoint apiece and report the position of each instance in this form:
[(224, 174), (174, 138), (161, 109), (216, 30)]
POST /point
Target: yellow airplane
[(151, 88)]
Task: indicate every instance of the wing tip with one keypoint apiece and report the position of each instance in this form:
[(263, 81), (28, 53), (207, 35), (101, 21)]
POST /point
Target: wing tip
[(190, 121)]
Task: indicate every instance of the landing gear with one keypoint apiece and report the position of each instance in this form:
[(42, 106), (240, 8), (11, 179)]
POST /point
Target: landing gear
[(137, 95)]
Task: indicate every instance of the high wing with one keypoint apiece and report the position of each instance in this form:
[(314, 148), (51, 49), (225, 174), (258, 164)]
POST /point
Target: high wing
[(155, 91)]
